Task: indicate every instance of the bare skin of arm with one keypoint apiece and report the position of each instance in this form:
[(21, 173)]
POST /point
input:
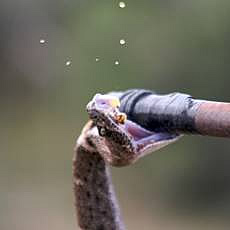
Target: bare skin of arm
[(107, 139)]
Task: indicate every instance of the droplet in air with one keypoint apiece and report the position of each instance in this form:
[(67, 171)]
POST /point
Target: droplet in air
[(122, 41), (97, 59), (68, 63), (116, 62), (42, 41), (122, 5)]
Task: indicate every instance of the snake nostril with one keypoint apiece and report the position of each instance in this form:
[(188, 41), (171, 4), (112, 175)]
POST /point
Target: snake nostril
[(94, 116)]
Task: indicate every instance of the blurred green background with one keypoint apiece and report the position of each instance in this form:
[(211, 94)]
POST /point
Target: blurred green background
[(170, 46)]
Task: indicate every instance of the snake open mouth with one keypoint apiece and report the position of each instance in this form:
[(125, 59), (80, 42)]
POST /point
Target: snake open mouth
[(139, 134), (106, 107)]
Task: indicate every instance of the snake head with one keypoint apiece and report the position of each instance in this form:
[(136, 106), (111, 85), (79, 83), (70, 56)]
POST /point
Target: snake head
[(126, 140), (104, 111)]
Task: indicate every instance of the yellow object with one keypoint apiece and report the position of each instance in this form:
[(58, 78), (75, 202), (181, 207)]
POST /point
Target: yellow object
[(121, 118), (114, 102)]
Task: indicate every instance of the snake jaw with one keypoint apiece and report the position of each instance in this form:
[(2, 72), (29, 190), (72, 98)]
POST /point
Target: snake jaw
[(104, 111), (126, 141)]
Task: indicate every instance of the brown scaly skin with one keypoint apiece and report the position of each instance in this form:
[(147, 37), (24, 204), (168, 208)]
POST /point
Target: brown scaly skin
[(105, 140), (96, 204)]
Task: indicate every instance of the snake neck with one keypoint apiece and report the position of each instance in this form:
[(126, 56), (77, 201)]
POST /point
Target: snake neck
[(96, 205)]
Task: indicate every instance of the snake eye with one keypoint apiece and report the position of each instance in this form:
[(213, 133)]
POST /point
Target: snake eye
[(102, 131)]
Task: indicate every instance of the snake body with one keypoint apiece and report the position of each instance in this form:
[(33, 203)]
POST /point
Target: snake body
[(96, 204)]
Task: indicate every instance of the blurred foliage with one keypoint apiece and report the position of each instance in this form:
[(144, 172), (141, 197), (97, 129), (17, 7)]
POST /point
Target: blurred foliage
[(171, 46)]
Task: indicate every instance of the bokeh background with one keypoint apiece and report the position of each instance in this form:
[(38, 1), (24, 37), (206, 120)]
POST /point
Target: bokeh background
[(170, 46)]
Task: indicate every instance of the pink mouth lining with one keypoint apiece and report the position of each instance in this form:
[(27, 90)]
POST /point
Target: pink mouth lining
[(142, 135), (136, 131)]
